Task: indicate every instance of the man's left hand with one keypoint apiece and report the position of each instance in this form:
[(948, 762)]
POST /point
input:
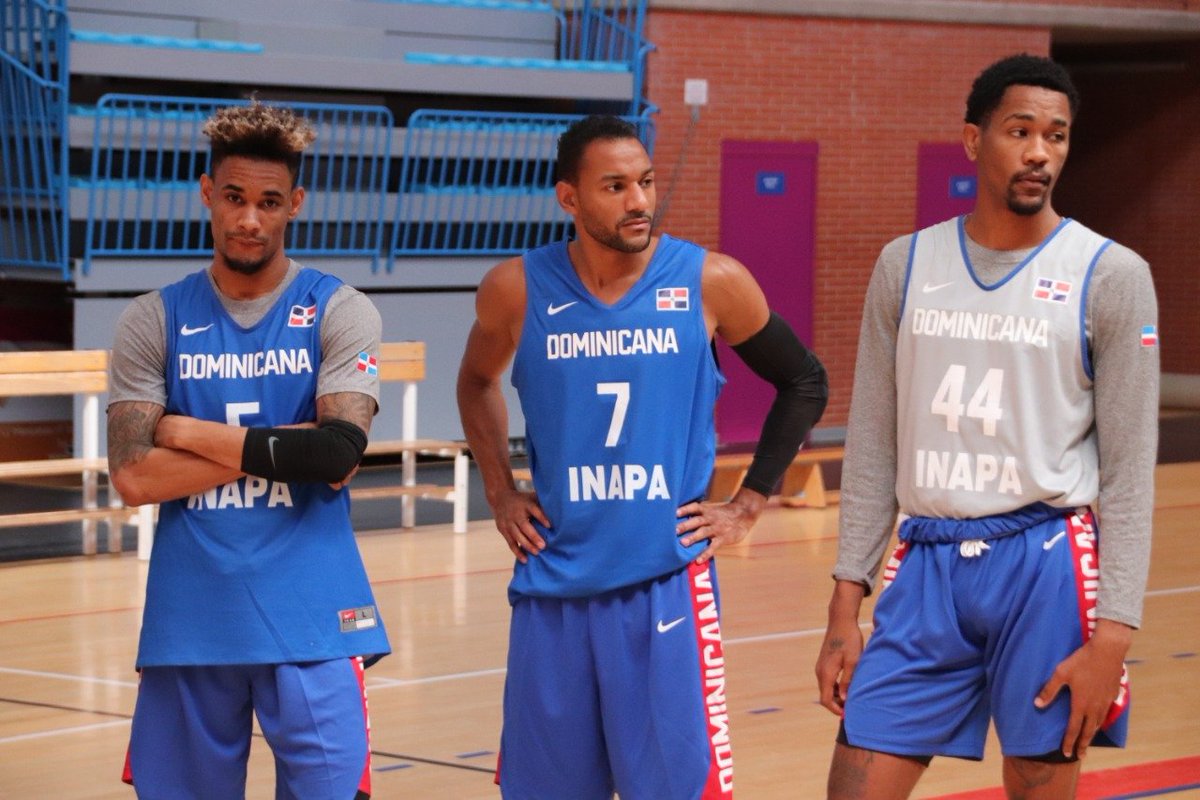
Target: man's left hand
[(720, 523), (1093, 675)]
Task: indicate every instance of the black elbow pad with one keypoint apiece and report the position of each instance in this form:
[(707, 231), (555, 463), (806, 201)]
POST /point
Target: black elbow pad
[(776, 355), (326, 454)]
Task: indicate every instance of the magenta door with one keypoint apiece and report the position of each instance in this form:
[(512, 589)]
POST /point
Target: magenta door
[(768, 211), (945, 182)]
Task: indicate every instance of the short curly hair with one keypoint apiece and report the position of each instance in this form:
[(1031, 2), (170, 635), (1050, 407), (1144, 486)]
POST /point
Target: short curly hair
[(580, 134), (261, 131), (1018, 70)]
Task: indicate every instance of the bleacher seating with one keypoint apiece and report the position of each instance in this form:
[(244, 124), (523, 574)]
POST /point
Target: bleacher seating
[(145, 152), (148, 153), (101, 104)]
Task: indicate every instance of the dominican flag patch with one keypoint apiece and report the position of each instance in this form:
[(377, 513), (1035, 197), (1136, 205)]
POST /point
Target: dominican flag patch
[(368, 363), (675, 299), (302, 316), (1149, 335), (1052, 290)]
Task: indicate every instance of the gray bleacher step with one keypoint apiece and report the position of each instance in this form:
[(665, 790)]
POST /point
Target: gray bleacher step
[(361, 75), (164, 42), (502, 142), (171, 202), (345, 44)]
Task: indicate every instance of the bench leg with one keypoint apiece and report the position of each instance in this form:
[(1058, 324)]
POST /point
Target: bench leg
[(145, 528), (724, 483), (408, 477), (460, 493), (114, 523), (803, 486)]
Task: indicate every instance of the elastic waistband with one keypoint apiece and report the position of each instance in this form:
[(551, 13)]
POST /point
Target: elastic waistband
[(939, 529)]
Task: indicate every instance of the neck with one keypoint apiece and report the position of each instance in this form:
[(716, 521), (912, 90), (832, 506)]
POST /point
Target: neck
[(602, 268), (239, 286), (1006, 230)]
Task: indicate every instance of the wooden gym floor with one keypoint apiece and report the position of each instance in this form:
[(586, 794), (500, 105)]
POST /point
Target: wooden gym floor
[(68, 633)]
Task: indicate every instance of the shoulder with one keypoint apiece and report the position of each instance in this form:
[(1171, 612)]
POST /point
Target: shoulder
[(1119, 258), (720, 269), (505, 281), (1121, 285), (891, 266), (348, 300), (897, 249), (144, 311), (349, 310), (1119, 270)]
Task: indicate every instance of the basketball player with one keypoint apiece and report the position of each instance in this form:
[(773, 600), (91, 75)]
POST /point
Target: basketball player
[(1006, 385), (257, 600), (615, 671)]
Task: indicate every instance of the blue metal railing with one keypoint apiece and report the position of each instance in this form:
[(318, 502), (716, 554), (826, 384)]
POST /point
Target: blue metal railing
[(593, 35), (481, 183), (33, 151), (606, 30), (149, 152)]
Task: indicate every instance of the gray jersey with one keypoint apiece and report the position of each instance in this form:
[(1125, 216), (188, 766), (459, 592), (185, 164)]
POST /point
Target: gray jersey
[(1119, 303), (994, 392), (350, 325)]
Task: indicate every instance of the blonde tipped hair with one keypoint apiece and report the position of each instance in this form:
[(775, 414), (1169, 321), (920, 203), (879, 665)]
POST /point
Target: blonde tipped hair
[(260, 131)]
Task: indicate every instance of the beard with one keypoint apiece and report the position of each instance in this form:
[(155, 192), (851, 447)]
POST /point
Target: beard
[(1026, 206), (246, 266), (612, 238)]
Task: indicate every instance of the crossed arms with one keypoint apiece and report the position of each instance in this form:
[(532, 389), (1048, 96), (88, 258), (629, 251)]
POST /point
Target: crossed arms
[(154, 457)]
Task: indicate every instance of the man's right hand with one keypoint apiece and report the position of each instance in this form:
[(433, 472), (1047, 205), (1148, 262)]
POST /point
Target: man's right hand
[(513, 511), (842, 646)]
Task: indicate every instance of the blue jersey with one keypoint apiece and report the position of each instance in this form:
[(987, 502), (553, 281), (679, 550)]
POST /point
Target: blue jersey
[(618, 403), (255, 571)]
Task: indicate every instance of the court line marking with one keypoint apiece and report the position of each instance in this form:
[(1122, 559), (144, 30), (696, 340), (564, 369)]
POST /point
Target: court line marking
[(63, 676), (23, 737), (387, 683)]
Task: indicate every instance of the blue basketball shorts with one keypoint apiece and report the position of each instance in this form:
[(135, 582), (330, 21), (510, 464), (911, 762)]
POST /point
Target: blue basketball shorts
[(192, 726), (968, 630), (623, 691)]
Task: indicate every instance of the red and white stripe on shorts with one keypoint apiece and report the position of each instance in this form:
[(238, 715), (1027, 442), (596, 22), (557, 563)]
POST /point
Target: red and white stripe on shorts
[(712, 677), (1081, 533)]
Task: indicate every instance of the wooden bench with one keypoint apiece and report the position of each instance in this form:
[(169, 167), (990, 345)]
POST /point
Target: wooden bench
[(70, 372), (405, 361), (803, 483)]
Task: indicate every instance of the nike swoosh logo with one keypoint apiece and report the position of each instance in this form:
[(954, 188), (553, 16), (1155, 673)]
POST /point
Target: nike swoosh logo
[(271, 440), (186, 331), (1053, 541), (553, 309), (927, 288), (663, 627)]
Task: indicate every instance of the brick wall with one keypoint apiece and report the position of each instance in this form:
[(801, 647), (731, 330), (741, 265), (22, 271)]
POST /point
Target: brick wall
[(868, 92), (1134, 175)]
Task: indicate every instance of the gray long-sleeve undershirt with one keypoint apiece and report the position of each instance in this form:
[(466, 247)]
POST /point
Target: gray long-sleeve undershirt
[(1120, 301)]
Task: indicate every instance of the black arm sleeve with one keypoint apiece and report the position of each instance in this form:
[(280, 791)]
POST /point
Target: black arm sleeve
[(324, 454), (802, 389)]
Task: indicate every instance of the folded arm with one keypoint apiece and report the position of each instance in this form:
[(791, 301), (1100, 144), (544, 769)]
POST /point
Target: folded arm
[(326, 453), (144, 472)]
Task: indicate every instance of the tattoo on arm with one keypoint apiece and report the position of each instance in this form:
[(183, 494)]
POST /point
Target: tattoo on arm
[(131, 432), (352, 407)]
